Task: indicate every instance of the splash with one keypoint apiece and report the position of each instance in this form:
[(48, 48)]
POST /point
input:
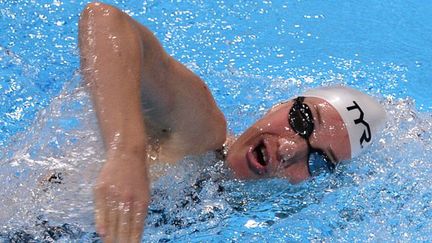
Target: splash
[(49, 165), (50, 169)]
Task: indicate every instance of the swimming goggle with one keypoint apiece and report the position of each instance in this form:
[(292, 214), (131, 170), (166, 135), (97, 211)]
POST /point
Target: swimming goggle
[(302, 122)]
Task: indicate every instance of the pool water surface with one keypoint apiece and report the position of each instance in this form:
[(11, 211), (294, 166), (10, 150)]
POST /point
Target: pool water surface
[(252, 54)]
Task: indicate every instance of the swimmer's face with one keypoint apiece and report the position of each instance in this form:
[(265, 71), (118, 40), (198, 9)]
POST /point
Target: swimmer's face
[(271, 148)]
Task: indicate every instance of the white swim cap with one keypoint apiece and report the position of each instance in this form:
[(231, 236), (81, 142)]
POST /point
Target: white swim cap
[(363, 115)]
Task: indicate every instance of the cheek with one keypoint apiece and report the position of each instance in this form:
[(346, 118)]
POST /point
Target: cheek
[(297, 172)]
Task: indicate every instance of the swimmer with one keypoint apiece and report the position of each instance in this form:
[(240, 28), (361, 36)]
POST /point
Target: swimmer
[(147, 104)]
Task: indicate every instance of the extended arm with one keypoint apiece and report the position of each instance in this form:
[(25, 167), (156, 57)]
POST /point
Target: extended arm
[(141, 96)]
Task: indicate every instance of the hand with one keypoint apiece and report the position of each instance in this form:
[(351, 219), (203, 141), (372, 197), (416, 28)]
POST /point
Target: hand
[(122, 197)]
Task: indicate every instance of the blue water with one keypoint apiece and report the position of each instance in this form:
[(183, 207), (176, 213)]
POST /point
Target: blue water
[(252, 55)]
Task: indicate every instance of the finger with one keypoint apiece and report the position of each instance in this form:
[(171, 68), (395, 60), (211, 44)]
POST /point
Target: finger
[(100, 210), (123, 231), (112, 222), (138, 214)]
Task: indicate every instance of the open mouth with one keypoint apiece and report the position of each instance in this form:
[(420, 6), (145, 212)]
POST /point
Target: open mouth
[(258, 158), (260, 153)]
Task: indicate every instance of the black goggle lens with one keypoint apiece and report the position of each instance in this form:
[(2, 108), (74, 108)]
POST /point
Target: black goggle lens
[(301, 121)]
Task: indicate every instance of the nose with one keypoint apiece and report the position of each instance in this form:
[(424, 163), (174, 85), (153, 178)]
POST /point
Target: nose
[(291, 149)]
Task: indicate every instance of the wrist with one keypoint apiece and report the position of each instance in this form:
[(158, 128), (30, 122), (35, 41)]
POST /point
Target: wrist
[(126, 138), (137, 148)]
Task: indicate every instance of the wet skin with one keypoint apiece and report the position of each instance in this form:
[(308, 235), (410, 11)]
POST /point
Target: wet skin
[(142, 97), (271, 148)]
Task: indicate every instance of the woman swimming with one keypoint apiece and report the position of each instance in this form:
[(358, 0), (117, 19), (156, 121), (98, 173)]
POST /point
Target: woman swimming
[(148, 103)]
